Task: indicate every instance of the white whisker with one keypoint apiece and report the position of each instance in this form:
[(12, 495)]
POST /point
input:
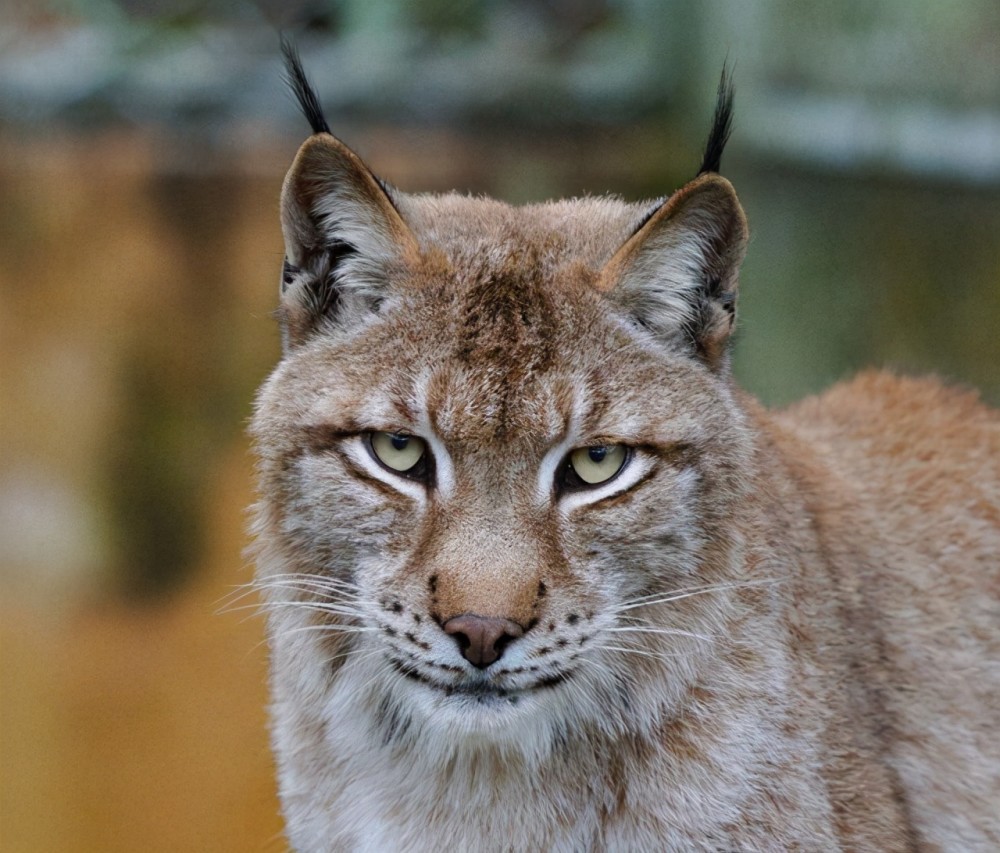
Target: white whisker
[(677, 632), (334, 609), (303, 585), (687, 592), (326, 629), (634, 651)]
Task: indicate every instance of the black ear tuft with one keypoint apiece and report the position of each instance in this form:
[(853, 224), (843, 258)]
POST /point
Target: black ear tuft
[(722, 124), (304, 93)]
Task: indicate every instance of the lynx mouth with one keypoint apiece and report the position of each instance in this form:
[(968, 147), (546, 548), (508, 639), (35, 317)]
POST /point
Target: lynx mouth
[(481, 690)]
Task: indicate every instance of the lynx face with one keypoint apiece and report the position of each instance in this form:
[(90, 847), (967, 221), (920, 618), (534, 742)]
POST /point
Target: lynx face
[(500, 455), (540, 490)]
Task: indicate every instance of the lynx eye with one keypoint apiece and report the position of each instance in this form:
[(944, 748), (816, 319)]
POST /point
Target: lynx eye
[(398, 452), (595, 465)]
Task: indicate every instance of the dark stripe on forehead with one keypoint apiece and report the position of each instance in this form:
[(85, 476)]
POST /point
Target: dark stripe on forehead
[(507, 337), (508, 316)]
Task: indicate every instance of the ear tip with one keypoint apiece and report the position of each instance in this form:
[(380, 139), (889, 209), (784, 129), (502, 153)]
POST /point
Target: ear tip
[(713, 188), (714, 179), (322, 153), (322, 139)]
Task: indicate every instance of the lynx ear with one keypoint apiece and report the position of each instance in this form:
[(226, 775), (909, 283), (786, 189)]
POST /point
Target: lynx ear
[(678, 273), (343, 237)]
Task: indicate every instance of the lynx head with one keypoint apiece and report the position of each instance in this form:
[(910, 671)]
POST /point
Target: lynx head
[(500, 455)]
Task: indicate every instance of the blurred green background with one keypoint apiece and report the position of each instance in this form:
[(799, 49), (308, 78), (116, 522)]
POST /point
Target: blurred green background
[(142, 147)]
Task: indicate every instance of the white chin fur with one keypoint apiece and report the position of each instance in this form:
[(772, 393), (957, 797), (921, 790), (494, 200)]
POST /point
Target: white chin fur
[(420, 716)]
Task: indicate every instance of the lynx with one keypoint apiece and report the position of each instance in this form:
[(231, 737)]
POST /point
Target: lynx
[(539, 576)]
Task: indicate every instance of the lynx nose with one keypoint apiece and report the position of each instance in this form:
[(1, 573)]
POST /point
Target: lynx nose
[(482, 639)]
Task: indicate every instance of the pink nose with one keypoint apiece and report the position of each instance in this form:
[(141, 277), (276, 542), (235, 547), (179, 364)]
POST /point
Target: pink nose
[(482, 640)]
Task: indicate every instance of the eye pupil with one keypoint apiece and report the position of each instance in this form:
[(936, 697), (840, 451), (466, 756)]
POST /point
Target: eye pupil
[(597, 454), (399, 442)]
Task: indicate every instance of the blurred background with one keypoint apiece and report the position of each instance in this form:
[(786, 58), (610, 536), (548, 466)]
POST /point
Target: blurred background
[(142, 147)]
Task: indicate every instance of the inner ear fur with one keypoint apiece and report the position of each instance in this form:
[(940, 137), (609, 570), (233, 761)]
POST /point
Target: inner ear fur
[(678, 274), (343, 235)]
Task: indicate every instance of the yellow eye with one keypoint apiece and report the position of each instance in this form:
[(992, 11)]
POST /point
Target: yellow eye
[(398, 452), (599, 464)]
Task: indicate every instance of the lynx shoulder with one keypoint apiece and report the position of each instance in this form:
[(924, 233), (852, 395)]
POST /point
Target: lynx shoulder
[(539, 576)]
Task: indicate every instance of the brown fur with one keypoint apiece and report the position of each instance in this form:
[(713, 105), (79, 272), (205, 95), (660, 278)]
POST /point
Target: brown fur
[(780, 631)]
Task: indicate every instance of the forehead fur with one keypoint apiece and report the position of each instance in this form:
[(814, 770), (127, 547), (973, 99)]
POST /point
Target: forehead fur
[(584, 231), (502, 294)]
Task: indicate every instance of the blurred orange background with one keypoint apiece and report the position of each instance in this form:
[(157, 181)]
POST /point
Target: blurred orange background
[(132, 712)]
